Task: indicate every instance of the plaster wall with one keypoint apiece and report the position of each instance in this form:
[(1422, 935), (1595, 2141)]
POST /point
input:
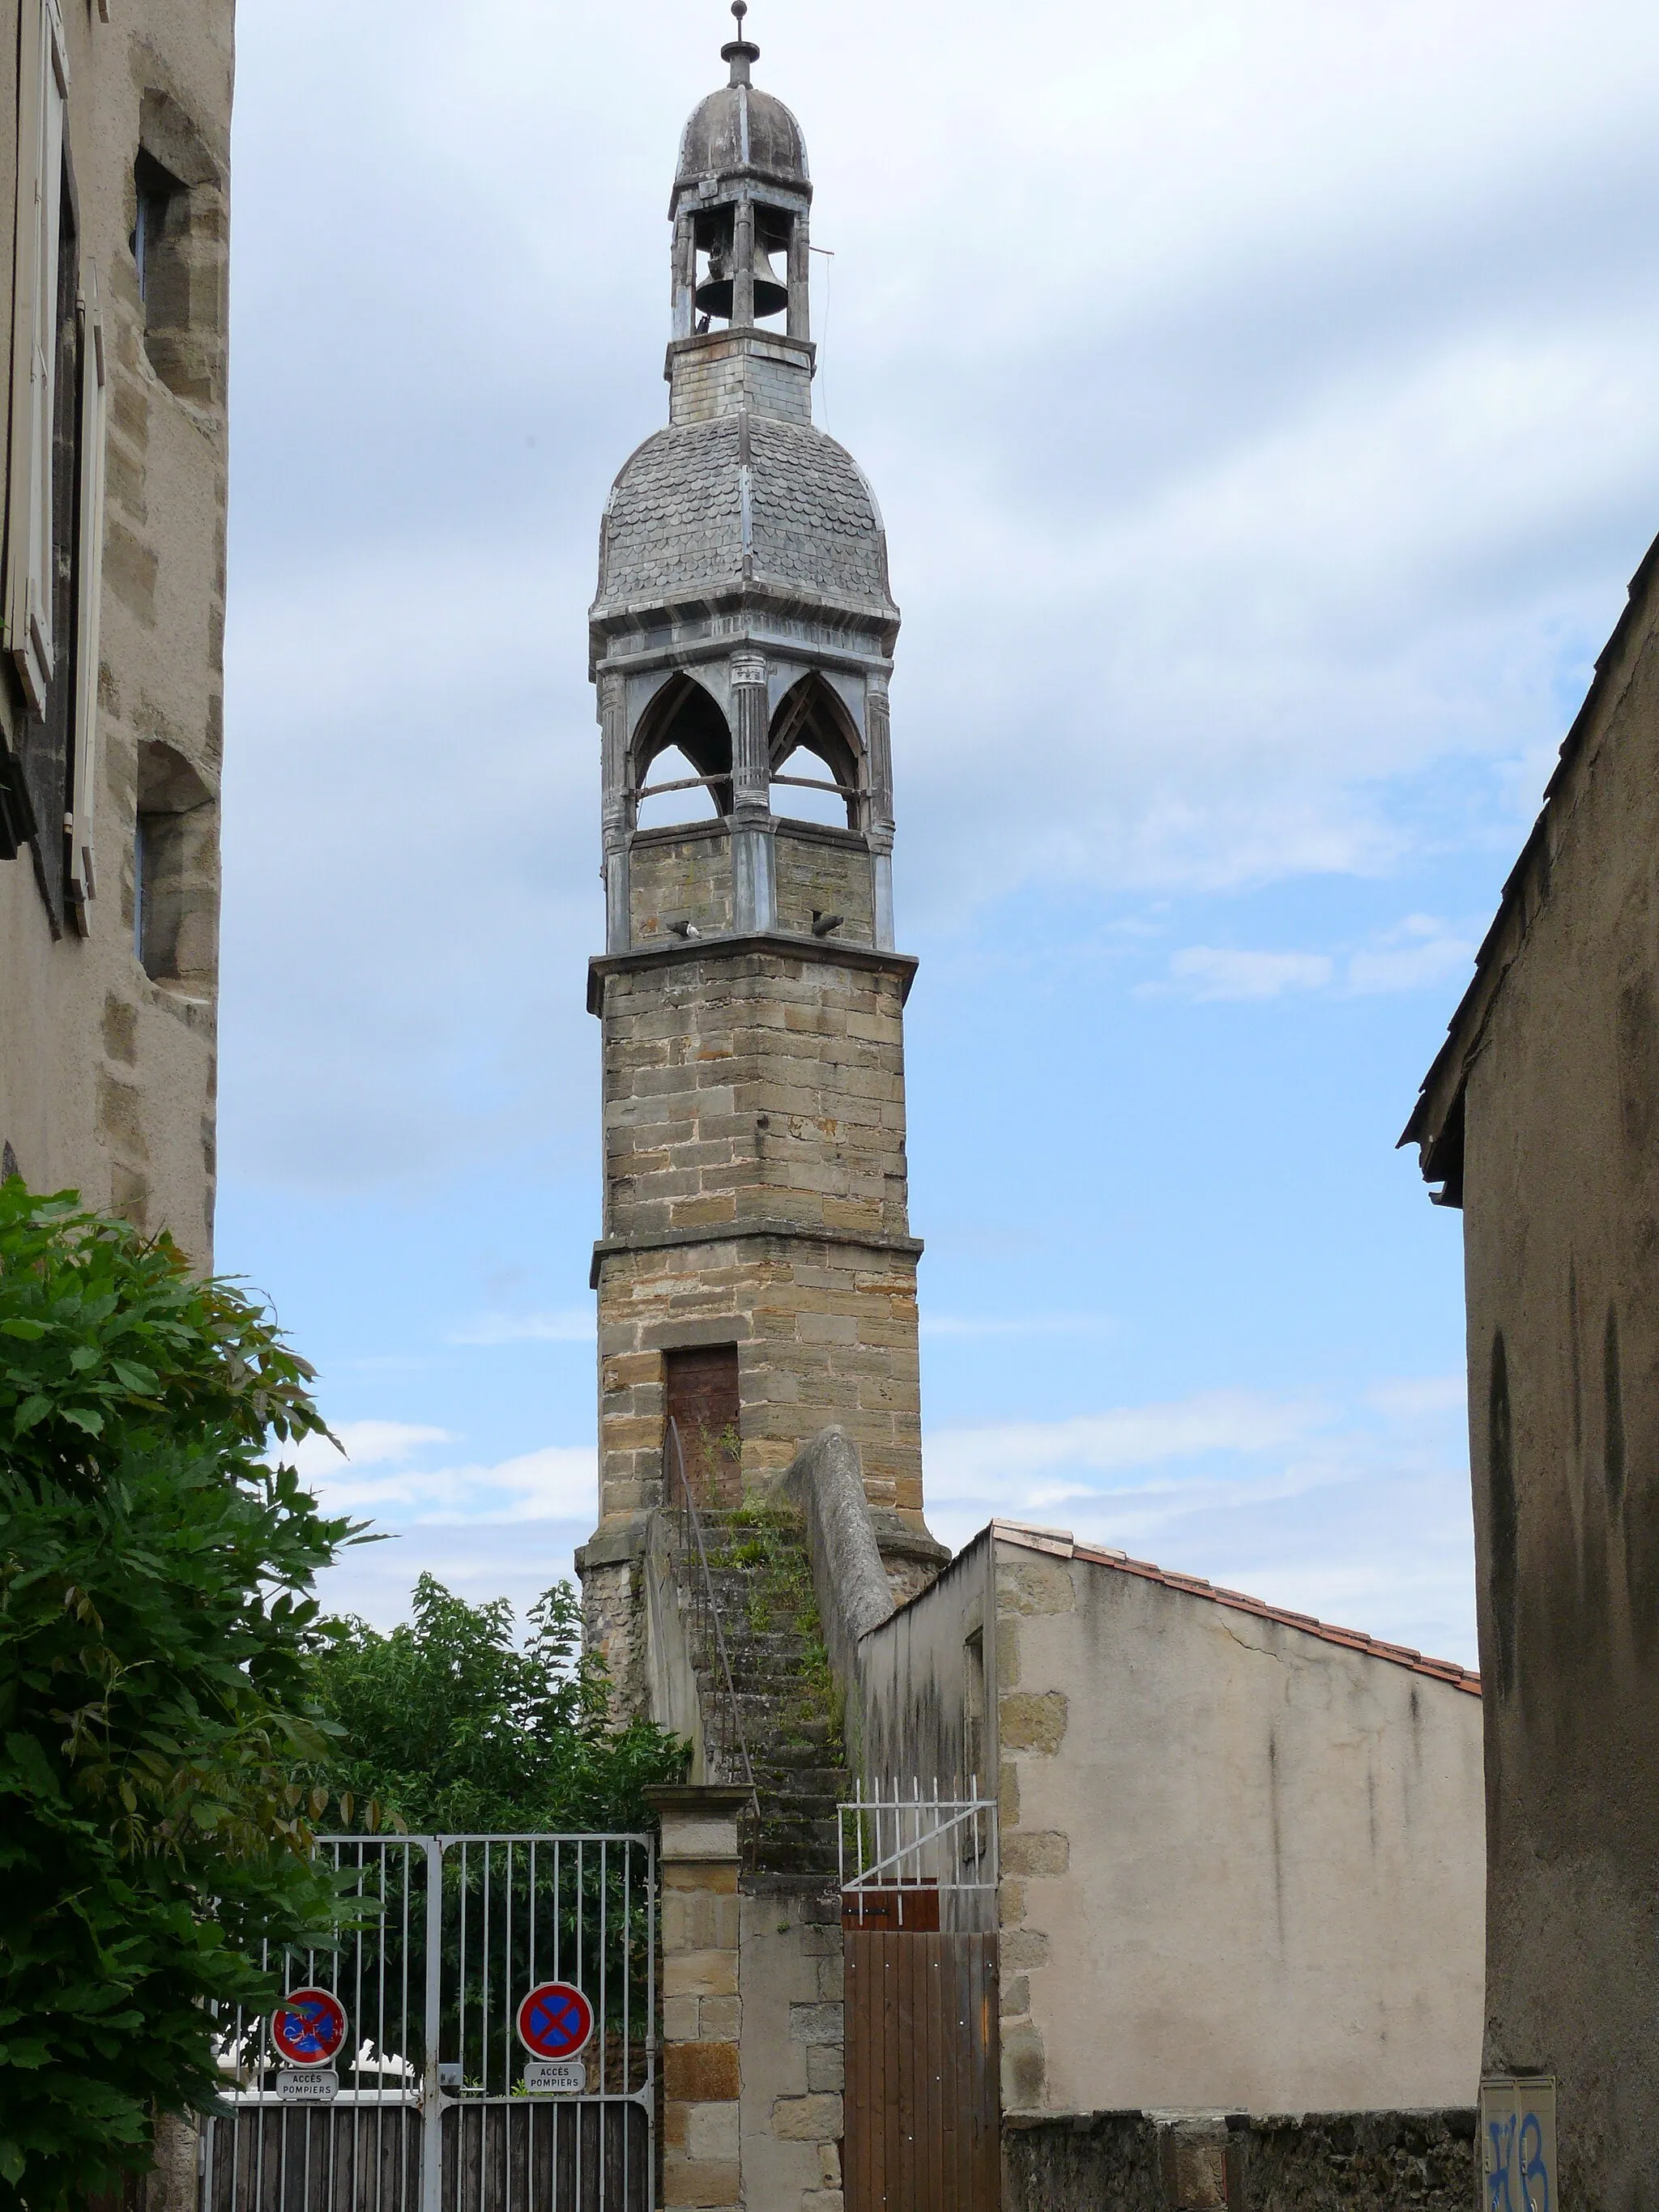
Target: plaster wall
[(1561, 1227), (1241, 1865), (107, 1077)]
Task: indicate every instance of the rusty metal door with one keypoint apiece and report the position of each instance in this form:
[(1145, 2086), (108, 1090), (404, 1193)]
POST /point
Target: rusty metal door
[(923, 2101)]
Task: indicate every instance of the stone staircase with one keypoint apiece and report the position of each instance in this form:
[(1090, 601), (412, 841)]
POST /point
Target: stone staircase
[(785, 1695)]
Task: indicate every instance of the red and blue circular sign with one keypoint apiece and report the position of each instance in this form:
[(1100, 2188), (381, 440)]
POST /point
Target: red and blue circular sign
[(555, 2020), (309, 2027)]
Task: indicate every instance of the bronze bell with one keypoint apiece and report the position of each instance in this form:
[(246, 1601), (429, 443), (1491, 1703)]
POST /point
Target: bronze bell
[(714, 293)]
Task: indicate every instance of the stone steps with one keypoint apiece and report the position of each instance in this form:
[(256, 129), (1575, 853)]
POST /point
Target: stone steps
[(778, 1685)]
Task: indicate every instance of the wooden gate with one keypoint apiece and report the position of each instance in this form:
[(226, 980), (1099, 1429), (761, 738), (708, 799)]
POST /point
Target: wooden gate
[(923, 2102)]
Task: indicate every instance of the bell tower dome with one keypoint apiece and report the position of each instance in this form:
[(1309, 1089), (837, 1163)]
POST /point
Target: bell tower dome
[(757, 1275)]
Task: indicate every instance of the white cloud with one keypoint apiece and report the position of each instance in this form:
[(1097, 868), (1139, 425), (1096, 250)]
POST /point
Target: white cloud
[(1416, 954), (1210, 971), (574, 1326), (362, 1444), (1355, 1510)]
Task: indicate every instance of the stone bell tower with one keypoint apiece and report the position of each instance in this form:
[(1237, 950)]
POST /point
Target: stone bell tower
[(757, 1275)]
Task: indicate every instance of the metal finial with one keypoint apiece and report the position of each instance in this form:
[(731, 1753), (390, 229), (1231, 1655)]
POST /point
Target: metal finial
[(740, 52)]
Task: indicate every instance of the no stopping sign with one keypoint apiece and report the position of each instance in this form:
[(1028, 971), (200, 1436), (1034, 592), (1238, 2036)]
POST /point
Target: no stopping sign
[(555, 2020), (308, 2026)]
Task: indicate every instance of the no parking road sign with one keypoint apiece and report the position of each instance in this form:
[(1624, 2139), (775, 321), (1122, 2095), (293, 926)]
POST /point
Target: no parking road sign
[(555, 2020), (309, 2027)]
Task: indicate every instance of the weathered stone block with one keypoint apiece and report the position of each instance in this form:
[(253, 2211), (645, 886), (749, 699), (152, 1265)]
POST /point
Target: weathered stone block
[(807, 2119), (699, 1973), (818, 2023), (692, 2182), (1036, 1851), (1032, 1723), (701, 2073), (712, 2132)]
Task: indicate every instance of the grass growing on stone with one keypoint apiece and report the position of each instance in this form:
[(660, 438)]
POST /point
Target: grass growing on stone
[(768, 1540)]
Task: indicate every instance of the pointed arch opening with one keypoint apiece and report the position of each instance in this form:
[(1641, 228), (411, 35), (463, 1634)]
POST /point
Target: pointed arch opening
[(817, 764), (682, 757)]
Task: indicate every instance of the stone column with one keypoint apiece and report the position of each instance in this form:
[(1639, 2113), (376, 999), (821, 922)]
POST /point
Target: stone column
[(754, 857), (701, 2009), (616, 812), (879, 825), (800, 267)]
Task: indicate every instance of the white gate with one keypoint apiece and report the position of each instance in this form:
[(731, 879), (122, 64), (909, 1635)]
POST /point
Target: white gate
[(429, 2106)]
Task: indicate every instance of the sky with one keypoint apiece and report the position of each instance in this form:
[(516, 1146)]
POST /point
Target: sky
[(1260, 400)]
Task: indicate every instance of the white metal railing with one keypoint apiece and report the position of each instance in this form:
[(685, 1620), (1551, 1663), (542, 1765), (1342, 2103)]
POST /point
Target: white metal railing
[(898, 1842)]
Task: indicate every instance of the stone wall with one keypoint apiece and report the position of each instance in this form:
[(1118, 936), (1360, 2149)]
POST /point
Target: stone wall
[(762, 1095), (1409, 2161), (823, 871), (792, 2051), (107, 1073), (680, 875)]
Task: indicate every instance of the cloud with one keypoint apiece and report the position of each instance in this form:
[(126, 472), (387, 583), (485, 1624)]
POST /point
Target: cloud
[(378, 1474), (574, 1326), (1416, 954), (1210, 971), (362, 1444), (1356, 1510)]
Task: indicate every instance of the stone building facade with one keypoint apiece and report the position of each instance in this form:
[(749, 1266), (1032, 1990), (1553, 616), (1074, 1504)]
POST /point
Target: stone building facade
[(757, 1275), (1540, 1120), (117, 156)]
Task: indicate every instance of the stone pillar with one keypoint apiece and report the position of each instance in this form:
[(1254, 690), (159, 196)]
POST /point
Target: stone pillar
[(754, 859), (743, 266), (800, 270), (617, 813), (878, 822), (701, 2009)]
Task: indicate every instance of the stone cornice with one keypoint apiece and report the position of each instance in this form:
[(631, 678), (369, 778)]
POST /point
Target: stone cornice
[(780, 944), (732, 1232)]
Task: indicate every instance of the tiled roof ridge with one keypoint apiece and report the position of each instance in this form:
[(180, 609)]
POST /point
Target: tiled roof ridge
[(1060, 1543)]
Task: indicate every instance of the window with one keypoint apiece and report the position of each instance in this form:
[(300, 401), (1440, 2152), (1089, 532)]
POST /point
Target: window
[(815, 757), (704, 1401), (155, 195), (683, 742), (81, 881), (174, 872), (973, 1711), (43, 90)]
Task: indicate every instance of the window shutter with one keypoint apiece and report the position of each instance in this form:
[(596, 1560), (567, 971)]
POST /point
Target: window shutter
[(43, 91), (89, 566)]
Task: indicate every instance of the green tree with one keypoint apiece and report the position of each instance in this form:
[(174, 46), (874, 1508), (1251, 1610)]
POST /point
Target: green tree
[(157, 1688), (453, 1727)]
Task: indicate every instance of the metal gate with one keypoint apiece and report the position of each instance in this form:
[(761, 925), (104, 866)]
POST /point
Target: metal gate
[(923, 2097), (432, 2113)]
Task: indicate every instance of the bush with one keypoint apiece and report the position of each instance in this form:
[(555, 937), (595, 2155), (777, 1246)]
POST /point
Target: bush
[(453, 1728), (157, 1688)]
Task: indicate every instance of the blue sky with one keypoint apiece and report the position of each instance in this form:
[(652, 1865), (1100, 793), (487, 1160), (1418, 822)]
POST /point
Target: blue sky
[(1260, 405)]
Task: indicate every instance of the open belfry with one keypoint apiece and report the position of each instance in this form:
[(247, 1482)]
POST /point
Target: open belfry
[(757, 1275)]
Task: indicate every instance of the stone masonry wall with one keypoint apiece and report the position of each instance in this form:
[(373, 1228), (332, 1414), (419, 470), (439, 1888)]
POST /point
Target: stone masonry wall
[(822, 871), (825, 1332), (744, 1088), (683, 877), (793, 2064), (1412, 2161)]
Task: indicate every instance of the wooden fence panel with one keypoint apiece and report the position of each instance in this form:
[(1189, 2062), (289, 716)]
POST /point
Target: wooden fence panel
[(923, 2104)]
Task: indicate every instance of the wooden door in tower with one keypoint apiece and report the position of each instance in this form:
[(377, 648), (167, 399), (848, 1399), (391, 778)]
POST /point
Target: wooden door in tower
[(702, 1400)]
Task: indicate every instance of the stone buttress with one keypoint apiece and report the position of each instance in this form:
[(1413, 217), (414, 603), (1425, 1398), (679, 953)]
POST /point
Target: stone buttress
[(757, 1275)]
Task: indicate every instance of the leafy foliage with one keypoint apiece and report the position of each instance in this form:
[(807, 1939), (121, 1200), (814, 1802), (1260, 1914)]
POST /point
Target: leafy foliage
[(155, 1685), (454, 1728)]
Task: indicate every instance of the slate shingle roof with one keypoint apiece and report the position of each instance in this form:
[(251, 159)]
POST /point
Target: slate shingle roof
[(676, 519)]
